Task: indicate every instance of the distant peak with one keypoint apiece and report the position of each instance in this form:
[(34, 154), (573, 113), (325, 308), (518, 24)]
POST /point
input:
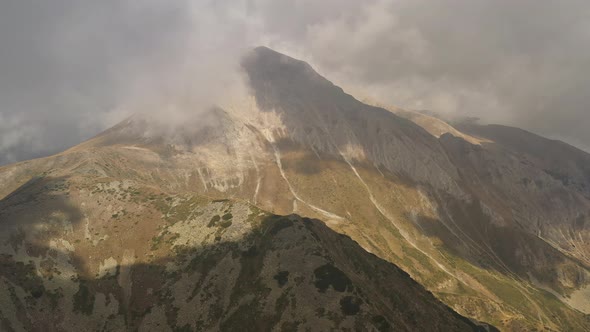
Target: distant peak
[(263, 48), (264, 57)]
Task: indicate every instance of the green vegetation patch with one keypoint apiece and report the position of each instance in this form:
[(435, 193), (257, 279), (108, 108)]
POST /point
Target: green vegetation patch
[(22, 274), (282, 278), (214, 220), (280, 224), (84, 299), (328, 275), (381, 324), (165, 237), (350, 305), (225, 223)]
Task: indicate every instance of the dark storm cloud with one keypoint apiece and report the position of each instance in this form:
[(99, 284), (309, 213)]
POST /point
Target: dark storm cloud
[(68, 69)]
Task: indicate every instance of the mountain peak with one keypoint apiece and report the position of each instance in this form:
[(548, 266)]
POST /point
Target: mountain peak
[(488, 228), (271, 73), (269, 57)]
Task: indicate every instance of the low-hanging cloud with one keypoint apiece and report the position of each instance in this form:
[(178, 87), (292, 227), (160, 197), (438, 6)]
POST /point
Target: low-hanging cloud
[(69, 69)]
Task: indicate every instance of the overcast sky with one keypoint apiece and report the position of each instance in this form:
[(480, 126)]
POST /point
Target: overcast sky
[(71, 68)]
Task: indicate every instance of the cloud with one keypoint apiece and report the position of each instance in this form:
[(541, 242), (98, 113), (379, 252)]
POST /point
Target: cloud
[(63, 64), (522, 63), (69, 69)]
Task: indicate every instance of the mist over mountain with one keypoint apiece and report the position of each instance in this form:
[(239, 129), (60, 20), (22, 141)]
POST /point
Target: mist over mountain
[(67, 73), (264, 165), (293, 207)]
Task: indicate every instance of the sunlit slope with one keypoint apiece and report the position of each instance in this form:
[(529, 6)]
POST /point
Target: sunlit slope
[(84, 250), (457, 216)]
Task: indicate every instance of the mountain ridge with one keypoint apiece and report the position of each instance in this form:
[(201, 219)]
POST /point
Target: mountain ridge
[(458, 217), (136, 294)]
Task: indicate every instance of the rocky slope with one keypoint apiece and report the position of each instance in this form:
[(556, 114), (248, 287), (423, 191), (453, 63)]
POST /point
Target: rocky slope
[(450, 206), (83, 251)]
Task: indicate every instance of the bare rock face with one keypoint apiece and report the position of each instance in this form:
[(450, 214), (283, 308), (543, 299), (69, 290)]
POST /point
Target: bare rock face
[(321, 116), (143, 227), (539, 184), (482, 206)]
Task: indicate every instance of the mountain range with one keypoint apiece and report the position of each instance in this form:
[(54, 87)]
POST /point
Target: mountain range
[(298, 208)]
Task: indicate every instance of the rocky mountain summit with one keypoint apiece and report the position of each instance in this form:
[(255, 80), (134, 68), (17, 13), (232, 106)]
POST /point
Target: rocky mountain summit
[(218, 224)]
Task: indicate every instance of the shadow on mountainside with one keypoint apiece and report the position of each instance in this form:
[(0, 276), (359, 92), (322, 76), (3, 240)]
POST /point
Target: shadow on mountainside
[(40, 202), (286, 272), (127, 294), (471, 236), (320, 116), (464, 228)]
